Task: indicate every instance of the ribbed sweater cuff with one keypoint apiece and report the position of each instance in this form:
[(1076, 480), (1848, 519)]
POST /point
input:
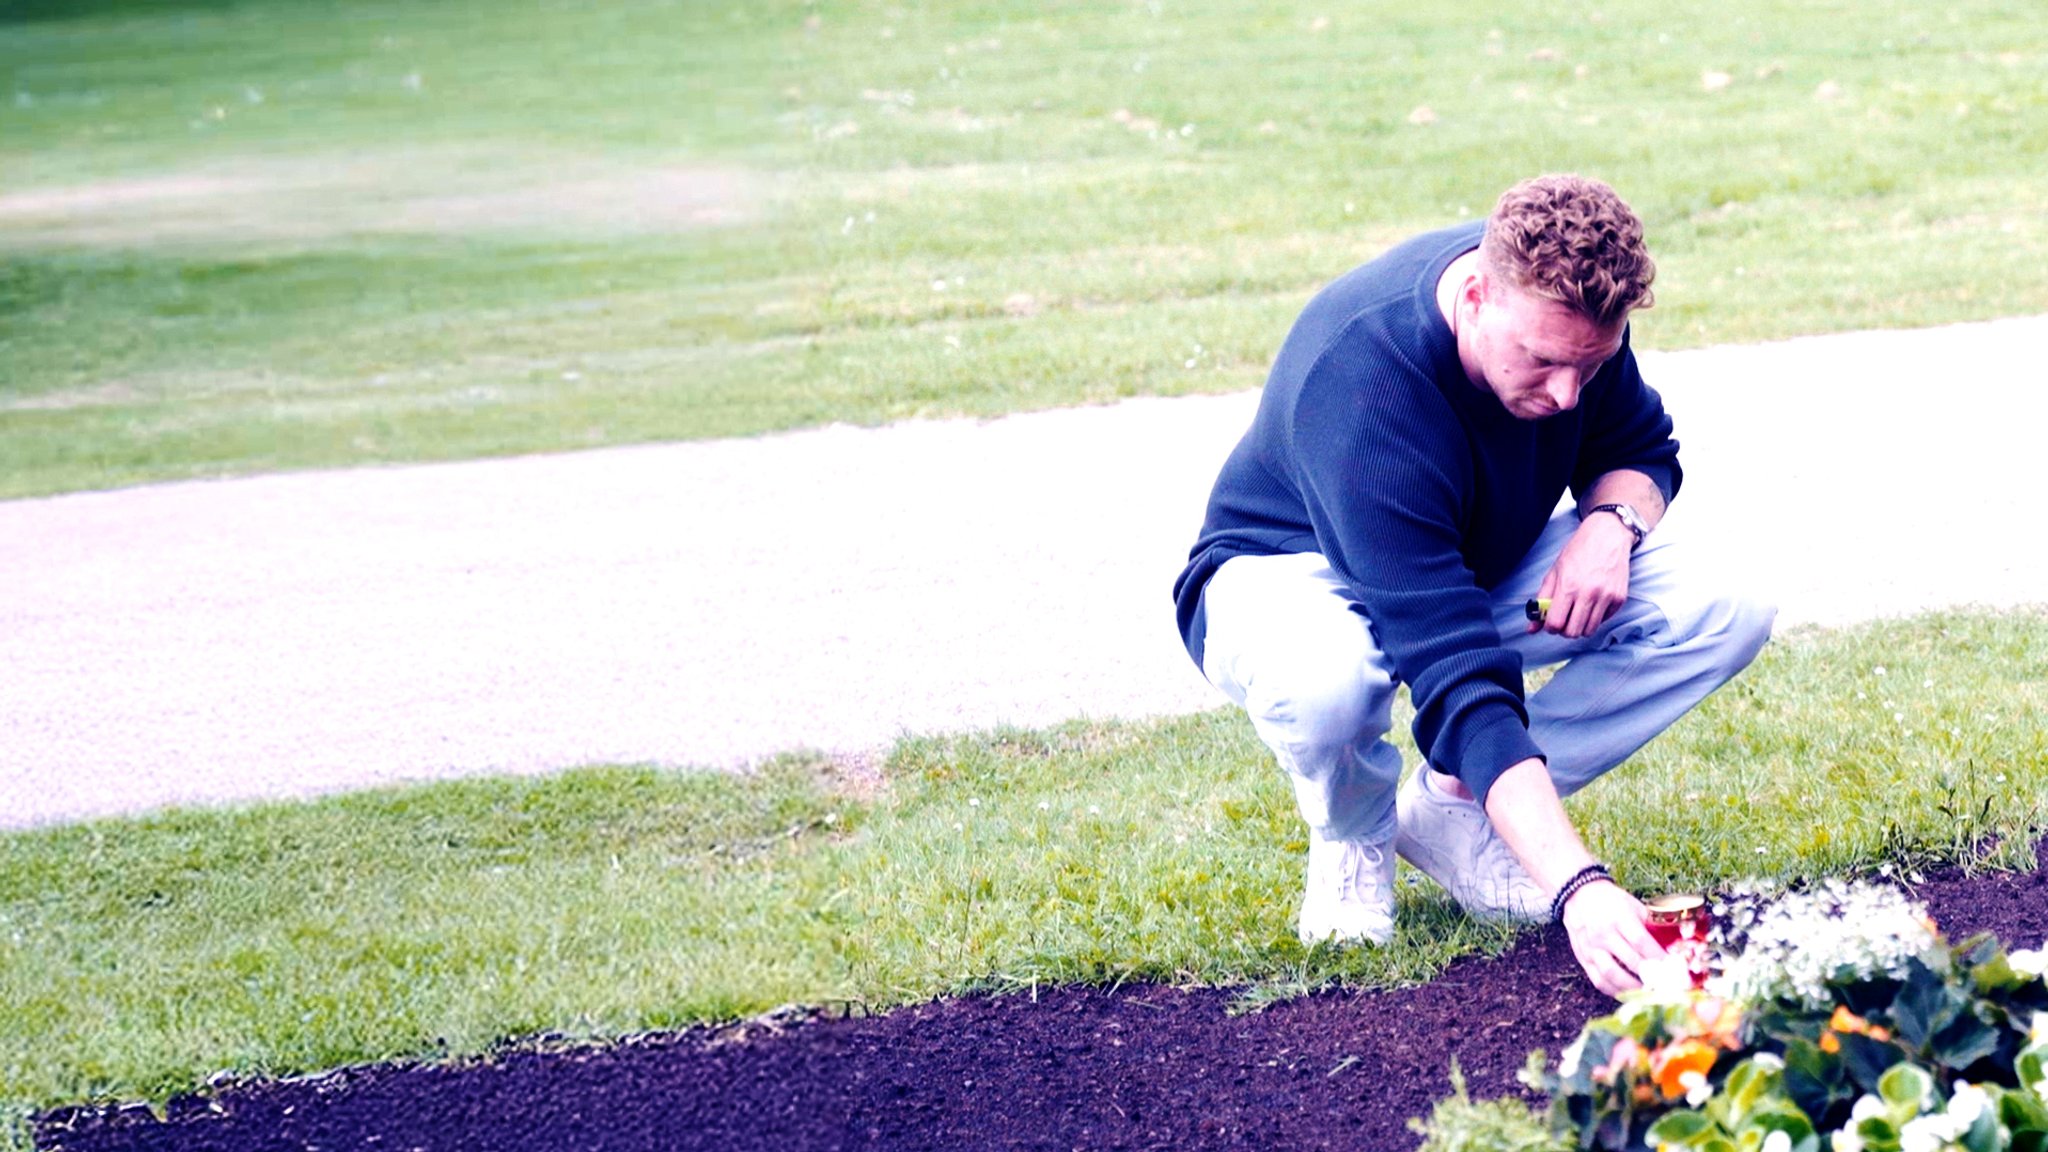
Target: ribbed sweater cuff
[(1492, 748)]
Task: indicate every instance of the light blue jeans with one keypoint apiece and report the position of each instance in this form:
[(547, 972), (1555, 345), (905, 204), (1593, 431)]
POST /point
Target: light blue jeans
[(1289, 643)]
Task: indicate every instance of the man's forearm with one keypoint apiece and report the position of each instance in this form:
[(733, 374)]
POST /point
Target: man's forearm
[(1604, 922), (1630, 487), (1525, 810)]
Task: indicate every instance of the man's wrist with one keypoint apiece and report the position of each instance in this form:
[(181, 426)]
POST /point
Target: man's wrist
[(1593, 873), (1630, 519)]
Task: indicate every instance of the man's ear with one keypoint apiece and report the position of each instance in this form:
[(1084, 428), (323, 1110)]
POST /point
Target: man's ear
[(1478, 287)]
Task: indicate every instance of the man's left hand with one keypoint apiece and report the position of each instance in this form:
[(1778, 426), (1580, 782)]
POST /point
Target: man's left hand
[(1589, 580)]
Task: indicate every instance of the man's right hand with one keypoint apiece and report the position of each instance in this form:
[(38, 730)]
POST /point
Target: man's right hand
[(1605, 924)]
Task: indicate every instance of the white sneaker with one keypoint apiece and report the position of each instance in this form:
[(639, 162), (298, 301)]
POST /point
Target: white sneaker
[(1451, 839), (1350, 897)]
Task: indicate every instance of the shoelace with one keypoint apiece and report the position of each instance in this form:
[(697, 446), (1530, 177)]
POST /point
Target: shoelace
[(1361, 865)]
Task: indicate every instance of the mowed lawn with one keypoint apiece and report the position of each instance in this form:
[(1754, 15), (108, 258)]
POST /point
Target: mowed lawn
[(285, 234), (147, 957), (291, 234)]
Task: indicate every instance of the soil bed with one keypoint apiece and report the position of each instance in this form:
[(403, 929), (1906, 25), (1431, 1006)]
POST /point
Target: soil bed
[(1071, 1068)]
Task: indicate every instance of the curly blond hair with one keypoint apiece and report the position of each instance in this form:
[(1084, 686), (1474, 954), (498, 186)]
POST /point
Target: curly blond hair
[(1573, 240)]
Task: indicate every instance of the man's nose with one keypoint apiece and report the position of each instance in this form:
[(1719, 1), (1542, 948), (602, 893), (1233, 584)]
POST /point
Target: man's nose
[(1563, 387)]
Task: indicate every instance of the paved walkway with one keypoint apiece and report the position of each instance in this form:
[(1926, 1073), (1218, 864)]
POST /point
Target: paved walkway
[(715, 603)]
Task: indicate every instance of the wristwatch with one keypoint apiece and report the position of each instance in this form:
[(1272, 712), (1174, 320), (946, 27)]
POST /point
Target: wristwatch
[(1629, 518)]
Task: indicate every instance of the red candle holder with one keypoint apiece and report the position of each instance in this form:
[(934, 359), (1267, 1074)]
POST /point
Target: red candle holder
[(1680, 921)]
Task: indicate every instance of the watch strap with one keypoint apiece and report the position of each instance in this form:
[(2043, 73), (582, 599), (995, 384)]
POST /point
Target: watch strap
[(1628, 517)]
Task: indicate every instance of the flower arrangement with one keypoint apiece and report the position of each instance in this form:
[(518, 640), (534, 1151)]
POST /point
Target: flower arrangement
[(1839, 1020)]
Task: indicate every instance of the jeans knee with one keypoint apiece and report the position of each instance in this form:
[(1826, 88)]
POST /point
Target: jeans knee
[(1322, 706), (1741, 625)]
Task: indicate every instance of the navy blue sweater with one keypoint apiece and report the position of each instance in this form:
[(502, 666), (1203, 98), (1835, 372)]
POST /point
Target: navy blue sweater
[(1372, 447)]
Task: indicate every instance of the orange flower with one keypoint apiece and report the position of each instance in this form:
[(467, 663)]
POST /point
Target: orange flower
[(1847, 1023), (1675, 1060), (1720, 1021)]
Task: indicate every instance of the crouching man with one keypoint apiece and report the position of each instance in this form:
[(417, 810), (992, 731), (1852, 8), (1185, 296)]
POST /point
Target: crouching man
[(1393, 509)]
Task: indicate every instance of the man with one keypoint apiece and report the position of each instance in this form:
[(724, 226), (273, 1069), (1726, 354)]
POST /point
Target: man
[(1385, 521)]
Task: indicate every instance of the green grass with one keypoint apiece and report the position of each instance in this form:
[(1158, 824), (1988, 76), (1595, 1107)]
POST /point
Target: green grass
[(139, 958), (277, 234)]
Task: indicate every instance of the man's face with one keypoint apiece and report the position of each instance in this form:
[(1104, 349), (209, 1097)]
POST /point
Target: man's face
[(1534, 354)]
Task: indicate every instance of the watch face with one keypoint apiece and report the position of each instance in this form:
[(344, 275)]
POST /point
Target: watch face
[(1628, 517)]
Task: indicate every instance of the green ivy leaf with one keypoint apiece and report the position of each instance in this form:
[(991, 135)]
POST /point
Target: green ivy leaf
[(1903, 1085), (1995, 975), (2027, 1065), (1984, 1134), (1868, 1061), (1964, 1041), (1925, 1004), (1868, 997), (2022, 1111), (1745, 1086), (1781, 1116), (1980, 951), (1815, 1083), (1684, 1128)]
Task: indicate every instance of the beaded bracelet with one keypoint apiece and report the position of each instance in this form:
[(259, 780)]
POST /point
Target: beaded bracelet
[(1581, 878)]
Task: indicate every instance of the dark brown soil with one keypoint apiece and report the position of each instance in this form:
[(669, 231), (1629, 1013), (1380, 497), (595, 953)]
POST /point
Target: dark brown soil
[(1069, 1068)]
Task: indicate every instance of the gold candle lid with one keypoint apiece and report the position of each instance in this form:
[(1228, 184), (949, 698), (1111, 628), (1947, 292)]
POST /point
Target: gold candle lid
[(1675, 903)]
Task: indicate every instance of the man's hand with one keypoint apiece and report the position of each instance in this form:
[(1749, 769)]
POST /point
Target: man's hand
[(1605, 924), (1604, 921), (1590, 578)]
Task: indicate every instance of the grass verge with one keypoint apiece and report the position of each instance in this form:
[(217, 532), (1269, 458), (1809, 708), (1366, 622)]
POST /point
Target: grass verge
[(269, 234), (141, 958)]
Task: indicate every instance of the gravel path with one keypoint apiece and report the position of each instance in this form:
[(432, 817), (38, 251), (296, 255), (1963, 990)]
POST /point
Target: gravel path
[(715, 603)]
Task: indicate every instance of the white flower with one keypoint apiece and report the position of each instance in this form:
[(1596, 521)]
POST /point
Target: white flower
[(1877, 671), (1833, 931), (1937, 1131), (1929, 1133), (2028, 962), (1767, 1062), (1866, 1106), (1920, 1135), (1846, 1140), (1698, 1092), (1777, 1141), (1968, 1103), (1568, 1060)]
